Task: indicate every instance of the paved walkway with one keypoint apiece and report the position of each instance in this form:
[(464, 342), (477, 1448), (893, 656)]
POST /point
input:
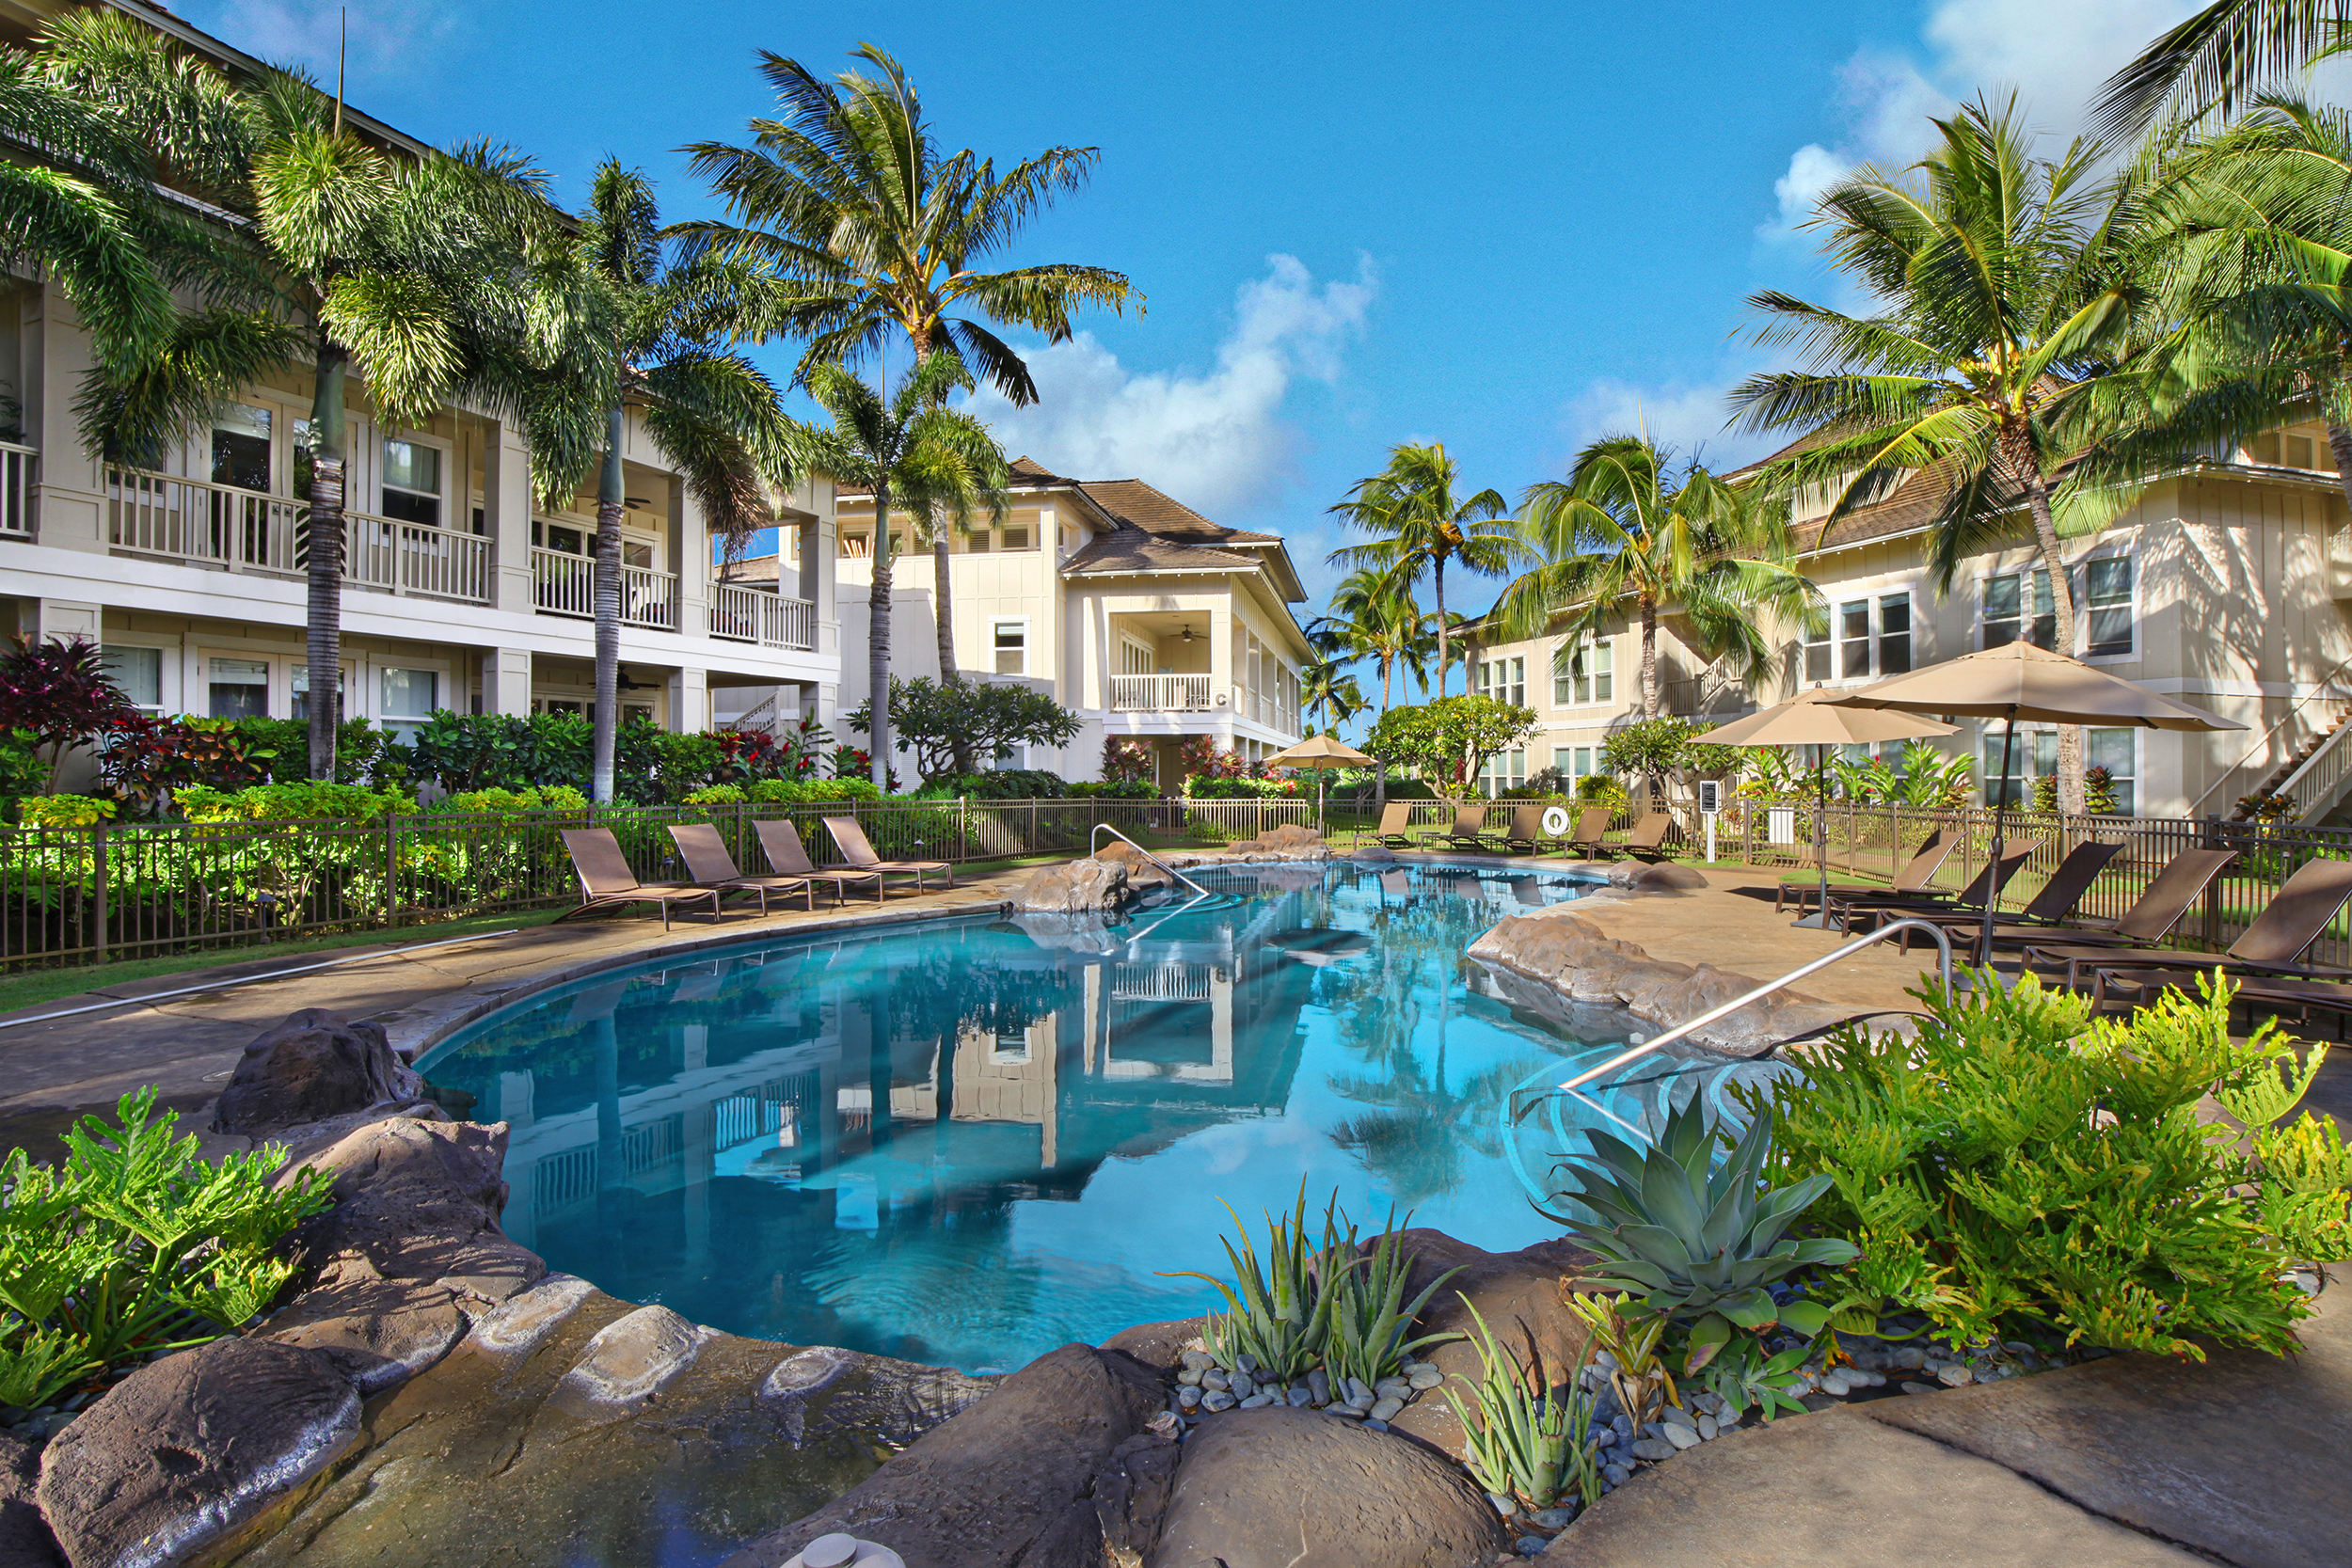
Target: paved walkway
[(53, 1071)]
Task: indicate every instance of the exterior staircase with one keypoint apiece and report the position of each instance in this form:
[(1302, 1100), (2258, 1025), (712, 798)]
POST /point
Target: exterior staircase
[(2288, 769), (2317, 778)]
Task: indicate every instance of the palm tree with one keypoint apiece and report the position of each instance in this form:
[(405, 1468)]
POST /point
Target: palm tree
[(987, 488), (1420, 528), (416, 270), (1631, 529), (710, 414), (1328, 692), (2006, 303), (2212, 63), (936, 460), (868, 228)]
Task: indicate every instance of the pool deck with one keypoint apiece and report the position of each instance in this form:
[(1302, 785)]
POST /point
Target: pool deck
[(56, 1070)]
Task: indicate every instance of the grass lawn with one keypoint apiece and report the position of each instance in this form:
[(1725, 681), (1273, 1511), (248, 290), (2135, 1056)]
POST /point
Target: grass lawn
[(32, 986)]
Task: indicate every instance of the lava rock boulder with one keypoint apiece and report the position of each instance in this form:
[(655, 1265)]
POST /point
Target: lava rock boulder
[(1075, 887), (314, 1064)]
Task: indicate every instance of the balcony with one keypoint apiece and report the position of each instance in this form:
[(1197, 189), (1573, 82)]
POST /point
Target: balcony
[(1160, 693), (563, 583), (739, 614), (244, 531)]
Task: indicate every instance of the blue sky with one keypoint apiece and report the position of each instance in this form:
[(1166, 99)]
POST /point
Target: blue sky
[(1509, 229)]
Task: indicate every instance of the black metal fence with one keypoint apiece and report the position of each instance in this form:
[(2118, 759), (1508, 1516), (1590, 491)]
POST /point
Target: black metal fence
[(83, 896)]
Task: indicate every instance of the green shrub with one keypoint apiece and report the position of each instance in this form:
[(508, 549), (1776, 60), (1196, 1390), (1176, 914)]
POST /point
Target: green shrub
[(1011, 783), (512, 802), (718, 795), (22, 771), (364, 754), (794, 792), (65, 812), (1116, 790), (300, 802), (134, 1245), (2021, 1166)]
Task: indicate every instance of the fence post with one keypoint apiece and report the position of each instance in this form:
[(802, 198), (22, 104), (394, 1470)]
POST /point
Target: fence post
[(1033, 838), (98, 915), (392, 870), (963, 827)]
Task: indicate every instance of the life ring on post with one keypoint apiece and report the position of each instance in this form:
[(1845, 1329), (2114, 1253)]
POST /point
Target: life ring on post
[(1555, 821)]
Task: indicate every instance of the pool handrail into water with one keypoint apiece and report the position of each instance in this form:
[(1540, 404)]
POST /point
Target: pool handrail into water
[(1943, 946), (1094, 841)]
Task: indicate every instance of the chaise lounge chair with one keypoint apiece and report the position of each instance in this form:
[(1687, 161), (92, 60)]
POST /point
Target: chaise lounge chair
[(1592, 826), (2273, 946), (1646, 842), (1469, 828), (788, 857), (850, 840), (607, 882), (1918, 876), (1984, 887), (2047, 912), (1396, 821), (705, 852), (1526, 835)]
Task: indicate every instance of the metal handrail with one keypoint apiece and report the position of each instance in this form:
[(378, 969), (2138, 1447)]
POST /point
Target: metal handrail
[(2264, 744), (1942, 943), (1095, 839)]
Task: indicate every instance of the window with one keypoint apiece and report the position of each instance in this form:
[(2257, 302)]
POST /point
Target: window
[(2012, 790), (1016, 537), (240, 689), (636, 552), (977, 542), (2035, 758), (1011, 1048), (140, 672), (2019, 604), (1584, 671), (1502, 771), (2276, 449), (1012, 647), (1865, 637), (1505, 680), (2107, 597), (2118, 751), (1573, 763), (1134, 658), (412, 482), (406, 699), (302, 460), (241, 447), (302, 693)]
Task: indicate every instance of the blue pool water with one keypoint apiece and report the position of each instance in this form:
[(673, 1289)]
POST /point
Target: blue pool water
[(756, 1139)]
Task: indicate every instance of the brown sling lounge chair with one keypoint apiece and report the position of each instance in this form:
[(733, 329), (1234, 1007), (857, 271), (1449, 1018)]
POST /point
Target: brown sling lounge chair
[(607, 882), (705, 852), (2045, 912), (1396, 821), (1647, 841), (1527, 831), (1469, 828), (1985, 885), (788, 857), (2298, 914), (1591, 825), (2148, 922), (1918, 876), (850, 840)]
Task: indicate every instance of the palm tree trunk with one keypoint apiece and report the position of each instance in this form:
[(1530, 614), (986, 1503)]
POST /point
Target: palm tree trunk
[(610, 491), (1649, 658), (877, 642), (323, 556), (1437, 581), (944, 616), (2069, 747)]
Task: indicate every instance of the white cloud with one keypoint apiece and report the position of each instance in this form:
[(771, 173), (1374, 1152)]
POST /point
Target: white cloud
[(387, 37), (1213, 439), (1687, 417)]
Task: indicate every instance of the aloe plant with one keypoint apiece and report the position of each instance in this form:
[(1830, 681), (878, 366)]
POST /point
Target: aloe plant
[(1691, 1241), (1644, 1386), (1277, 1312), (1369, 1313), (1525, 1431)]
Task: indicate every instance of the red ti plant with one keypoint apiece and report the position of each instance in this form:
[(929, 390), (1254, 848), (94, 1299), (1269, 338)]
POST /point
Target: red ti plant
[(57, 690)]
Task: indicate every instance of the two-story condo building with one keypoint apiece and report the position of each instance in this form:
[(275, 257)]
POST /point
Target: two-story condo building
[(458, 593), (1144, 617), (2224, 586)]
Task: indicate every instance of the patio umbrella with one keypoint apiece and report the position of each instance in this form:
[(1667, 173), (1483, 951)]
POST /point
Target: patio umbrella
[(1319, 751), (2018, 680), (1809, 719)]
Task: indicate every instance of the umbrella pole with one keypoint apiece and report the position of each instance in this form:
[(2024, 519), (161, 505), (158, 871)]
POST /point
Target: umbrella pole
[(1820, 824), (2000, 807)]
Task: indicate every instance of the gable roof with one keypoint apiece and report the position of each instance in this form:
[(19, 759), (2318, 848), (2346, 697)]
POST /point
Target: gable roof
[(1157, 512), (1131, 549)]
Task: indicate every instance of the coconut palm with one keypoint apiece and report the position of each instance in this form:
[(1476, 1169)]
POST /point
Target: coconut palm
[(1632, 531), (2212, 64), (2006, 305), (415, 270), (710, 413), (1420, 528), (938, 462), (869, 229), (938, 522), (1328, 692)]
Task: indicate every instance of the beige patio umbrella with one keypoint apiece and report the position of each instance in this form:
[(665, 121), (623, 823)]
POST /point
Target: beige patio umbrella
[(1320, 752), (1809, 719), (2018, 680)]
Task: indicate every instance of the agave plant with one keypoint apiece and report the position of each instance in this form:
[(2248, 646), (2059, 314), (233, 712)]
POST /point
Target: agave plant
[(1279, 1312), (1368, 1313), (1690, 1241), (1526, 1429), (1644, 1386)]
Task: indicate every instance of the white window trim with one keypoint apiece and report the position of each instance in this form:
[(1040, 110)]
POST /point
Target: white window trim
[(1839, 597), (171, 676), (375, 668), (2077, 576), (1029, 648), (374, 486), (1989, 736), (1568, 646)]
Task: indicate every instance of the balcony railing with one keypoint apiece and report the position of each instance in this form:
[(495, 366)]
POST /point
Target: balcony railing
[(739, 614), (563, 583), (1159, 693), (412, 558), (19, 468)]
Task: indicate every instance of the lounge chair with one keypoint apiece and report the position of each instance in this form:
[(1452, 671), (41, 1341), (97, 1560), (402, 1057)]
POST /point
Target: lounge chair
[(1469, 828), (1396, 820), (1592, 826), (1918, 876), (2046, 911), (1647, 841), (850, 840), (705, 852), (788, 857), (607, 882), (1983, 888), (2296, 917), (1525, 834), (2148, 922), (2277, 993)]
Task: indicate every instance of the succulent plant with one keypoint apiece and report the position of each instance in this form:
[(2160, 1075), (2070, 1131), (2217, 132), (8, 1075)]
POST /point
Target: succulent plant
[(1689, 1240), (1526, 1429), (1278, 1313), (1368, 1315)]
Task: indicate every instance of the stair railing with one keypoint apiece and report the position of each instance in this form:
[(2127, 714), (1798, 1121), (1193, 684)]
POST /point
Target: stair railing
[(2314, 784), (1095, 839), (2262, 746)]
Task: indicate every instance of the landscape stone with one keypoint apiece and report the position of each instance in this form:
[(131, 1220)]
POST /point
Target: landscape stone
[(1132, 1493), (1010, 1480), (1075, 887), (1518, 1293), (314, 1064), (25, 1539), (626, 1364), (190, 1449), (1281, 1488)]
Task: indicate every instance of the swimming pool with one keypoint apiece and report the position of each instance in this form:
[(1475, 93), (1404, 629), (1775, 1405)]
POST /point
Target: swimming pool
[(757, 1138)]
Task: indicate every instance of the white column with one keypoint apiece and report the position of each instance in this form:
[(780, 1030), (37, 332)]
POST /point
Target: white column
[(817, 544), (690, 701), (1222, 672), (690, 552), (506, 517), (506, 680), (71, 510)]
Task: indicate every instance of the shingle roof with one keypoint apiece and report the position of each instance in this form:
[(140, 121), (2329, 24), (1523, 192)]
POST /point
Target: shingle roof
[(1159, 513), (1131, 549)]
